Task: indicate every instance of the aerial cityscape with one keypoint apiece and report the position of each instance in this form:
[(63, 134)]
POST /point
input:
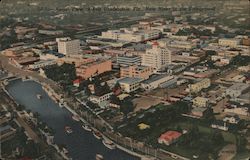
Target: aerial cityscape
[(124, 80)]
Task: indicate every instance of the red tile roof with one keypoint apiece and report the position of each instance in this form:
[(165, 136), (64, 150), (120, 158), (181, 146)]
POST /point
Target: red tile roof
[(170, 135), (77, 81)]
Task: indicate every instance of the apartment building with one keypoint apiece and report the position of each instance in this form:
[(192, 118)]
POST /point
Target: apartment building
[(93, 68), (199, 85), (67, 46), (156, 57), (142, 72)]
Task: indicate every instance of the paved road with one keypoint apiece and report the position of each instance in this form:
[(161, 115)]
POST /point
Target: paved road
[(20, 72), (27, 128)]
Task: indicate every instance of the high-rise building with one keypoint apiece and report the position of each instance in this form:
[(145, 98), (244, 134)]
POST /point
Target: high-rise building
[(156, 57), (68, 47)]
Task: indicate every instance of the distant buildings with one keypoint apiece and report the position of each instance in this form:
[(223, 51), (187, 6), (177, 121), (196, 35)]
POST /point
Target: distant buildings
[(131, 34), (157, 57), (229, 42), (50, 32), (142, 72), (198, 86), (169, 137), (68, 47), (90, 69)]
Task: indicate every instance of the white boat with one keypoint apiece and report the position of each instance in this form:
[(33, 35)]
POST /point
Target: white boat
[(108, 143), (86, 127), (99, 157), (76, 118), (39, 96), (65, 151), (97, 134), (61, 105), (68, 130)]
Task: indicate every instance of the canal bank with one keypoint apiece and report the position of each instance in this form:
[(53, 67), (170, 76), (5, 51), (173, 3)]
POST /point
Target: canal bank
[(80, 144)]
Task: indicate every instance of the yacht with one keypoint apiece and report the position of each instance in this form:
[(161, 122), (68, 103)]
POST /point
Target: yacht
[(68, 130), (76, 117), (97, 134), (108, 143), (99, 157), (61, 105), (38, 96), (86, 127)]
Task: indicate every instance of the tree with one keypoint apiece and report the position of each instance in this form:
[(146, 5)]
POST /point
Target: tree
[(240, 143), (87, 91), (126, 107), (114, 99), (217, 137)]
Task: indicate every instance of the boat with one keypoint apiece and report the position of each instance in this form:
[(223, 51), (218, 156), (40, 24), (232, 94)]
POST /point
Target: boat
[(86, 127), (61, 105), (97, 134), (108, 143), (39, 96), (99, 157), (68, 130), (65, 151), (76, 117)]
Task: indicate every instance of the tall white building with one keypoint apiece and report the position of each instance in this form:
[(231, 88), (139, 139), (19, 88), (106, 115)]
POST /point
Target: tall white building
[(157, 57), (68, 47)]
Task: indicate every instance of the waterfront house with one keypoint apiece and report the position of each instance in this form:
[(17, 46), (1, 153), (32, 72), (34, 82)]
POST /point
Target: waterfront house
[(169, 137)]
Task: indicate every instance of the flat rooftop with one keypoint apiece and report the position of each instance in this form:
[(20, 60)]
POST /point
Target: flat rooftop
[(129, 80), (155, 77)]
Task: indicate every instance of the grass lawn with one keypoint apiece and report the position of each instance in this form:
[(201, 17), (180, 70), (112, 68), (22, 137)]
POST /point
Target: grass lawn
[(228, 137)]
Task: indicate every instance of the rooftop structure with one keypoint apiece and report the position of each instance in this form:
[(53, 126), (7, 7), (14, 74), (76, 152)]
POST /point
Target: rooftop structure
[(237, 89), (142, 72), (68, 47), (129, 84), (169, 137), (157, 57), (90, 69)]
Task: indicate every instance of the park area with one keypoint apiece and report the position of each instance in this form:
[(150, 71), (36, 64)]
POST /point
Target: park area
[(198, 138)]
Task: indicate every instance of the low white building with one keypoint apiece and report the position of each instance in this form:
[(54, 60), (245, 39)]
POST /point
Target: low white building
[(237, 89), (100, 99), (129, 84), (231, 119), (42, 64), (156, 80), (230, 42), (220, 125)]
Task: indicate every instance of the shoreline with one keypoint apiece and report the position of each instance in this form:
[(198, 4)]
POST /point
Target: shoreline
[(55, 146), (56, 98)]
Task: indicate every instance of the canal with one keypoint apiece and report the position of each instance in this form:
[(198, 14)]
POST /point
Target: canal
[(81, 144)]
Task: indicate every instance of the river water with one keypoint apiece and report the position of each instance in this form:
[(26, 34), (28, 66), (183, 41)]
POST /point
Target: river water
[(81, 144)]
